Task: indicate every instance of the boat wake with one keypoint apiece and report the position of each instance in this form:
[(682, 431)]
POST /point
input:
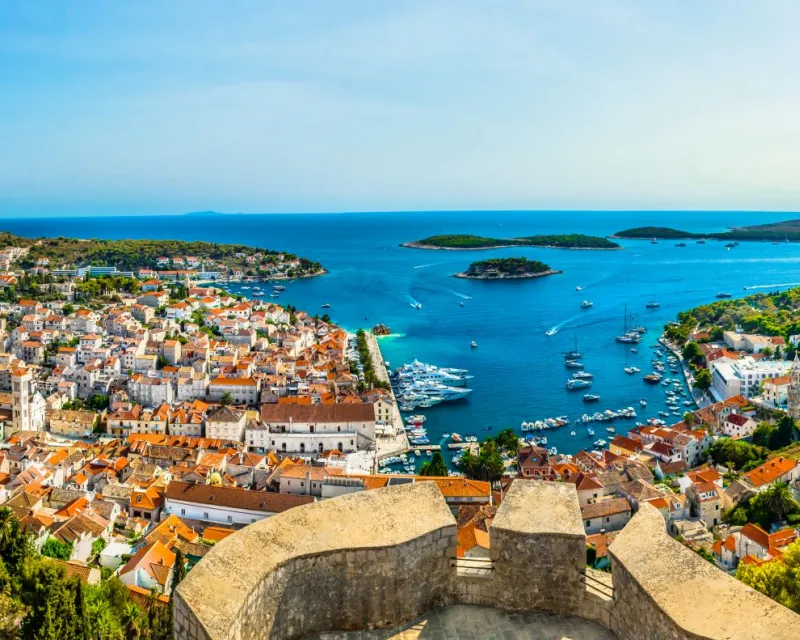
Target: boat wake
[(423, 266), (770, 286), (460, 295), (416, 304), (554, 330)]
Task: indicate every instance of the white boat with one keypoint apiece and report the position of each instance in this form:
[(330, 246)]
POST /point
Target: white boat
[(572, 433), (579, 288), (643, 403), (473, 344), (586, 304), (416, 419), (578, 384)]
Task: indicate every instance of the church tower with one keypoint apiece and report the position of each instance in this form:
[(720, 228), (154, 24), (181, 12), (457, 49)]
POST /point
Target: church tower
[(20, 389), (794, 389)]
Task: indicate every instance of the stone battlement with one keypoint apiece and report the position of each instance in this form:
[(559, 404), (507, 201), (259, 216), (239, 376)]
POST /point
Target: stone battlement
[(383, 557)]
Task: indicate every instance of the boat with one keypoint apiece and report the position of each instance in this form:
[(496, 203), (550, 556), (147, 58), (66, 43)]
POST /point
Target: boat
[(274, 294), (278, 287), (572, 433), (600, 443), (573, 364), (653, 304), (628, 336), (473, 344), (643, 403), (551, 332), (723, 295), (586, 304), (579, 288), (552, 451), (654, 241), (590, 397), (652, 378), (461, 303), (416, 305), (731, 245), (582, 375), (589, 431), (573, 385), (681, 244), (634, 350), (456, 438), (326, 305), (574, 354), (416, 419), (611, 429)]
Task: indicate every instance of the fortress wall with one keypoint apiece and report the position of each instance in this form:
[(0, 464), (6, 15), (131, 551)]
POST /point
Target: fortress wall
[(662, 590)]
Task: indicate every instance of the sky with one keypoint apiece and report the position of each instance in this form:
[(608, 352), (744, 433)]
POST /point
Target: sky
[(168, 106)]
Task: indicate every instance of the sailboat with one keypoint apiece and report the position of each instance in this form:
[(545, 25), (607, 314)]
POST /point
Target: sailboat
[(574, 354), (653, 304), (628, 337)]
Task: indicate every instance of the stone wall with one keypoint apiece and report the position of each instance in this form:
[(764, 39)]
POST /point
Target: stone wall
[(662, 590), (383, 557), (369, 559), (538, 550)]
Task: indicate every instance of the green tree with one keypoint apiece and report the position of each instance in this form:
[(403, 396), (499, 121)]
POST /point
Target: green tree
[(702, 380), (50, 599), (777, 579), (507, 441), (778, 501), (688, 418), (487, 465), (227, 399), (692, 353), (433, 467), (178, 571), (161, 362), (56, 549)]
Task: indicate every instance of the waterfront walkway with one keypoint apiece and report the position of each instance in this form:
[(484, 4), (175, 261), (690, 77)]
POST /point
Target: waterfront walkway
[(700, 398), (465, 622), (389, 445)]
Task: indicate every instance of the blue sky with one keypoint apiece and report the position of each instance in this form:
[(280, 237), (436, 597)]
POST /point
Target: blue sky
[(170, 106)]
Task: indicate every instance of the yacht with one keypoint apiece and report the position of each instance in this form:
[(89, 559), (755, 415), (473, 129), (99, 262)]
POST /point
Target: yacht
[(590, 397), (582, 375), (473, 344), (586, 304), (579, 288), (589, 431), (653, 304), (461, 303), (574, 354), (326, 306), (722, 295), (278, 287), (574, 385), (652, 378), (573, 364), (643, 403)]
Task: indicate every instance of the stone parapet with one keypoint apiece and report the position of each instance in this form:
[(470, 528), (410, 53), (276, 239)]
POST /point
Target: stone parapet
[(662, 590)]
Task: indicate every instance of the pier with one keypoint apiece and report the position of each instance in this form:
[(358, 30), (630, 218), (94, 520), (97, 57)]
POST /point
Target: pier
[(387, 446)]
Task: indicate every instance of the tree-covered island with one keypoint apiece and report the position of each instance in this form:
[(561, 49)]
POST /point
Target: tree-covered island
[(507, 269), (786, 231), (463, 242)]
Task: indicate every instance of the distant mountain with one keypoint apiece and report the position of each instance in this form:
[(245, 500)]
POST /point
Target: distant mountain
[(786, 231), (204, 214)]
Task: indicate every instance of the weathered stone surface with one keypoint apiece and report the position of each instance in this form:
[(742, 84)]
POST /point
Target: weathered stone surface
[(662, 590)]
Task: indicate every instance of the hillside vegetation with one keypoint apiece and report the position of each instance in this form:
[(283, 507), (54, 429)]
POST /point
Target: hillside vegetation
[(774, 232), (563, 241)]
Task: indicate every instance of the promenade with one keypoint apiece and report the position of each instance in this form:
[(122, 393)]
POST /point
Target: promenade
[(394, 443)]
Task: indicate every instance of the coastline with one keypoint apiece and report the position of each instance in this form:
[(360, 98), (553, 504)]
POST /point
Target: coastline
[(428, 247), (526, 276)]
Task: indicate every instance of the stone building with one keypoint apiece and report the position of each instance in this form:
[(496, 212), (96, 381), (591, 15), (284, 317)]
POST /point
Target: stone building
[(793, 399)]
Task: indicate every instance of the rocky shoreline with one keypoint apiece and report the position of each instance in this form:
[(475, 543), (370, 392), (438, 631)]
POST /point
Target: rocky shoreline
[(525, 276)]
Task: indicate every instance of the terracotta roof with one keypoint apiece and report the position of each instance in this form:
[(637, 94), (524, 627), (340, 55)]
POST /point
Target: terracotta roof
[(234, 498), (216, 534), (363, 412), (605, 508), (770, 471)]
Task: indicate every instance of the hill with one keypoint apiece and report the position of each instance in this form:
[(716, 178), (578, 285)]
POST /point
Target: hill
[(788, 230), (507, 268)]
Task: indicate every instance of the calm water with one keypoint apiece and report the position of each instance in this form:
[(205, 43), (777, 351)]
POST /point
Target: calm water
[(519, 371)]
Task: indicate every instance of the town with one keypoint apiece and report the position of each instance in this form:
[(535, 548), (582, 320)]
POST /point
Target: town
[(143, 424)]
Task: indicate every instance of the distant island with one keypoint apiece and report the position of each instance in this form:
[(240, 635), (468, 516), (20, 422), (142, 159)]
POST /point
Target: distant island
[(507, 269), (178, 256), (788, 230), (466, 242)]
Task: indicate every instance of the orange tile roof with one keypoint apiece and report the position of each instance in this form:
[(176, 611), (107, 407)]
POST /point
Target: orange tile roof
[(770, 471)]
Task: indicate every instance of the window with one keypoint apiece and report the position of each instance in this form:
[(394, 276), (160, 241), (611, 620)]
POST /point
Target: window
[(205, 515), (230, 518), (183, 512), (588, 523), (608, 519)]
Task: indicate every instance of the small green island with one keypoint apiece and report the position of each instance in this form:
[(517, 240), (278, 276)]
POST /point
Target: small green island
[(786, 231), (507, 269), (466, 242)]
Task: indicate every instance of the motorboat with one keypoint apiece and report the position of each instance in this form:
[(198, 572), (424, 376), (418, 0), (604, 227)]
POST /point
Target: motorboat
[(586, 304), (573, 364), (590, 397), (473, 344), (583, 375), (574, 385)]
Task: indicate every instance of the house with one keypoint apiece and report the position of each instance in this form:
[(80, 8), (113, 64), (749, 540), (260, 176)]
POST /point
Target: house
[(146, 504), (751, 543), (74, 424), (534, 462), (226, 423), (776, 391), (242, 390), (778, 469), (150, 568), (605, 515), (738, 426), (706, 501), (230, 505)]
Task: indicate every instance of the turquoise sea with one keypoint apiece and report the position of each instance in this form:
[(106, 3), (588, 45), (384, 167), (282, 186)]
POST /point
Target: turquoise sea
[(518, 371)]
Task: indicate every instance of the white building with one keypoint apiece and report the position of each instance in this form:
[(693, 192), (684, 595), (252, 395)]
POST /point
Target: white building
[(226, 423), (744, 377), (306, 429), (242, 390), (228, 505)]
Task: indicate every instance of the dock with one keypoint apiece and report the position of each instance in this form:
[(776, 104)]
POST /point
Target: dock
[(387, 446)]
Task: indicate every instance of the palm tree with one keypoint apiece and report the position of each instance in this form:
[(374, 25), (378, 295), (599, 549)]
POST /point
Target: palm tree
[(227, 399), (779, 501)]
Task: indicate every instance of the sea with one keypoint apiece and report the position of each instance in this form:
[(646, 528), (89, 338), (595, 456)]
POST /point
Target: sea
[(518, 370)]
